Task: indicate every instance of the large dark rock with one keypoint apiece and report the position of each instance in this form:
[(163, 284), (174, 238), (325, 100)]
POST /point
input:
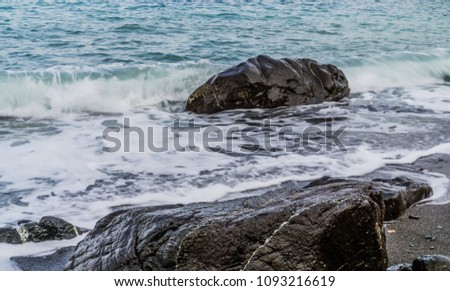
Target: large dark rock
[(335, 226), (263, 82), (48, 228)]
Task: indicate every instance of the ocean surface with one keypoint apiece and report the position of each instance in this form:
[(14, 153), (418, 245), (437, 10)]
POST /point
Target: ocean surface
[(68, 70)]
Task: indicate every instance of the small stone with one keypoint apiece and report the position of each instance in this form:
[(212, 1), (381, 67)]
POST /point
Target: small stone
[(431, 248), (440, 227), (432, 263), (413, 217), (401, 267), (430, 237)]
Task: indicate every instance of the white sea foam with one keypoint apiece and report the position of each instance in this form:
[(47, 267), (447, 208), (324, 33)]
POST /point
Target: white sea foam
[(62, 90), (117, 88), (31, 249), (398, 70)]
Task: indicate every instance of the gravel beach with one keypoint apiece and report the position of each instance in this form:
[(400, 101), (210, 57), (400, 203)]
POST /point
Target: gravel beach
[(422, 230)]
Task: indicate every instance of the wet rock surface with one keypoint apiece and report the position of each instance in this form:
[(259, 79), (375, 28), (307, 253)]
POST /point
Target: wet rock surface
[(398, 193), (397, 201), (48, 228), (264, 82), (52, 262), (334, 225), (9, 235)]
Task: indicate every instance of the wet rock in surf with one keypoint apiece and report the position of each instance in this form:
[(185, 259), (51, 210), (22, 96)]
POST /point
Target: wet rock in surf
[(264, 82), (336, 226), (48, 228), (9, 235)]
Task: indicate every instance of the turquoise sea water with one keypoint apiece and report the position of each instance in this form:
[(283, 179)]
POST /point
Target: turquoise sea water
[(69, 69)]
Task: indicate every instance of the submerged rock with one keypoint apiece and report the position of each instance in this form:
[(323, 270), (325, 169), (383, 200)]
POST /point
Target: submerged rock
[(264, 82), (9, 235), (48, 228), (336, 225)]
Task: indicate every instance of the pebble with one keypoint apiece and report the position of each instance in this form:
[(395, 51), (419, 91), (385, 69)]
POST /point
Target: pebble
[(430, 237)]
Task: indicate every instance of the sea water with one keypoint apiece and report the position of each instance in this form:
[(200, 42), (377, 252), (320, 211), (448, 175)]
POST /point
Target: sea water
[(70, 69)]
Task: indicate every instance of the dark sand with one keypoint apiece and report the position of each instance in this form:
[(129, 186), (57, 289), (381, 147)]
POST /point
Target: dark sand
[(407, 239)]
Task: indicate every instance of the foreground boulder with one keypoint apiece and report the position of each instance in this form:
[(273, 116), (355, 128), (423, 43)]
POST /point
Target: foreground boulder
[(264, 82), (48, 228), (334, 226)]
